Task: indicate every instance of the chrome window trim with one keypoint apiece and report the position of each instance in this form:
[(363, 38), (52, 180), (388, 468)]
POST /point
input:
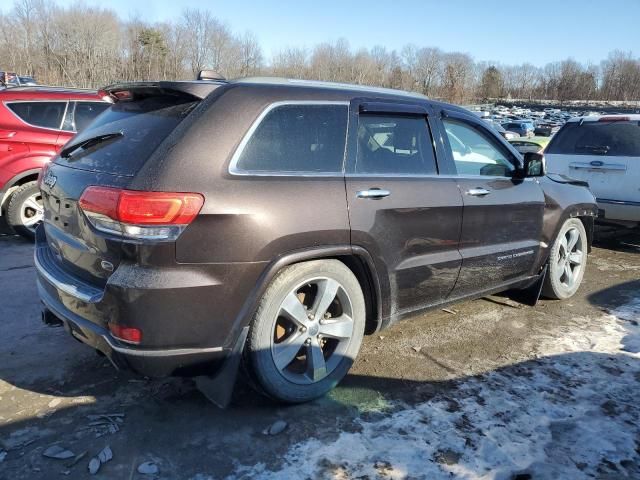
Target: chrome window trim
[(233, 164), (432, 175), (59, 129)]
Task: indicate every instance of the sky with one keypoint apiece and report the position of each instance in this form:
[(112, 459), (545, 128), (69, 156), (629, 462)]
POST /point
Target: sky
[(506, 32)]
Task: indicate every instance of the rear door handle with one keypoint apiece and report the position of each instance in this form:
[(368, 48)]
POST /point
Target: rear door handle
[(373, 193), (478, 192)]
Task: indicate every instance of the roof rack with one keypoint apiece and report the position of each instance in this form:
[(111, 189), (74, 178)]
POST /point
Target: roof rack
[(325, 84)]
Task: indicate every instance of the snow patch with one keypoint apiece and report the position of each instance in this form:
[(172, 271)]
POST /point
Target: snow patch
[(573, 413)]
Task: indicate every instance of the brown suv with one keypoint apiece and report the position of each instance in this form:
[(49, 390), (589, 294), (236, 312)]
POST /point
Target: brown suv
[(195, 224)]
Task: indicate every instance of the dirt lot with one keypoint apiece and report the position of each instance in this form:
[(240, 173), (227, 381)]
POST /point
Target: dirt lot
[(489, 390)]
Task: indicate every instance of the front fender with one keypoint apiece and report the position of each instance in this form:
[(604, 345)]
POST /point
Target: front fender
[(564, 200)]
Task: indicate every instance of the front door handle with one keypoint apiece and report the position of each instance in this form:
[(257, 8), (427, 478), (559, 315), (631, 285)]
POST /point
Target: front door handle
[(478, 192), (373, 193)]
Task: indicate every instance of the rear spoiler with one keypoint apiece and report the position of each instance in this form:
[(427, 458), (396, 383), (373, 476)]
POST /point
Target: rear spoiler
[(197, 90)]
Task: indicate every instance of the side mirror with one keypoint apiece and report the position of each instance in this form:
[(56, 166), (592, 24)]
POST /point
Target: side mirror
[(534, 165)]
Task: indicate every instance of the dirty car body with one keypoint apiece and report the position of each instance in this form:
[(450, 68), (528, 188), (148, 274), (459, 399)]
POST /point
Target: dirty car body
[(178, 299)]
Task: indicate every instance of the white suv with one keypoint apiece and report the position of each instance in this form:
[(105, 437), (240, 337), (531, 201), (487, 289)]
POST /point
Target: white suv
[(603, 150)]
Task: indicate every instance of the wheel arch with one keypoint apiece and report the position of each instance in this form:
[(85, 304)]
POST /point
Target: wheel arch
[(357, 259)]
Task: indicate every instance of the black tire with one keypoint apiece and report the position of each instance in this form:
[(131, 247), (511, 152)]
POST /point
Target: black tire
[(16, 205), (278, 382), (556, 286)]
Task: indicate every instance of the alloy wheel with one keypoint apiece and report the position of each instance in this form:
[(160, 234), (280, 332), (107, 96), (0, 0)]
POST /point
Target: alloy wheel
[(570, 257), (312, 331), (31, 211)]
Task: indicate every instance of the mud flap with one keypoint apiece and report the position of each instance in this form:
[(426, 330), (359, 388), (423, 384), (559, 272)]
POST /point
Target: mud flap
[(218, 388), (531, 294)]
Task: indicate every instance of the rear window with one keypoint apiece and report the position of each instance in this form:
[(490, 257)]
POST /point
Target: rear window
[(144, 122), (39, 114), (620, 139), (297, 138)]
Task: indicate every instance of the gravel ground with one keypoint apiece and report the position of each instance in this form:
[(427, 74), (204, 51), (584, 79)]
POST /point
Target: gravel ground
[(490, 389)]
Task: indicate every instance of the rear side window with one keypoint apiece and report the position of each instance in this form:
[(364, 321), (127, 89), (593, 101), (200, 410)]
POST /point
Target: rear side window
[(39, 114), (394, 145), (144, 122), (81, 114), (620, 139), (297, 138)]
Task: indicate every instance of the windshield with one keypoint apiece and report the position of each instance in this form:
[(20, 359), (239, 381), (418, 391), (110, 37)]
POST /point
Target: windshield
[(143, 123)]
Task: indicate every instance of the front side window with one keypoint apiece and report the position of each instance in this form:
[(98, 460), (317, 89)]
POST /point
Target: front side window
[(475, 152), (297, 138), (394, 144), (40, 114)]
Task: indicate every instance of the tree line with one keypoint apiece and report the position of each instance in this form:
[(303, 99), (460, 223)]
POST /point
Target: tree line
[(87, 46)]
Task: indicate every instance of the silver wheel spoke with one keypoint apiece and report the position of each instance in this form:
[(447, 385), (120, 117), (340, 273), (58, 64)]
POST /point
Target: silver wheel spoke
[(316, 366), (31, 221), (572, 239), (563, 245), (340, 327), (286, 351), (327, 291), (576, 257), (32, 203), (568, 274), (294, 310)]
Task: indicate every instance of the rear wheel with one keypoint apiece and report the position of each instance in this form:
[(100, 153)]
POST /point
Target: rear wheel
[(567, 261), (307, 331), (24, 211)]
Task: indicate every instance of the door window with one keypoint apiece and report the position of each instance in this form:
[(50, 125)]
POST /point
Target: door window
[(475, 152), (390, 144), (39, 114)]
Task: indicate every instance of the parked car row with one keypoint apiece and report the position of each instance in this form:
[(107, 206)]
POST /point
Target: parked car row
[(526, 122), (12, 79)]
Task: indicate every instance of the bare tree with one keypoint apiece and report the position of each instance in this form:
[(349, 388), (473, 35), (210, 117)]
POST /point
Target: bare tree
[(88, 46)]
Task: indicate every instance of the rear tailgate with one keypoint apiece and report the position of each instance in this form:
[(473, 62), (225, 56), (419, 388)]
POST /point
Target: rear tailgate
[(109, 153), (604, 153)]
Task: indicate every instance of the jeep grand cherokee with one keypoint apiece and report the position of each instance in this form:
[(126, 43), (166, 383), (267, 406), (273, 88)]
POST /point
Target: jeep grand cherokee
[(197, 224)]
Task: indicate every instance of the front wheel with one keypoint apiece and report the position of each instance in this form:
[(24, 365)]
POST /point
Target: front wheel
[(307, 331), (567, 261)]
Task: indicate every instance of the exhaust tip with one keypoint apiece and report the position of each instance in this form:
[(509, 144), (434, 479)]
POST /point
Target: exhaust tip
[(49, 319)]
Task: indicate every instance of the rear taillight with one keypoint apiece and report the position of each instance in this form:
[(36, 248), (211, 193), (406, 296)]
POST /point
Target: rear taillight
[(140, 215)]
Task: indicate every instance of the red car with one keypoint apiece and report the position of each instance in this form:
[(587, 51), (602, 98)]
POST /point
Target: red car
[(35, 122)]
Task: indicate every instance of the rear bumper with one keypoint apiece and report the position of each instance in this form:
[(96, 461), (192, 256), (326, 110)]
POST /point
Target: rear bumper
[(619, 210), (148, 362), (177, 344)]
